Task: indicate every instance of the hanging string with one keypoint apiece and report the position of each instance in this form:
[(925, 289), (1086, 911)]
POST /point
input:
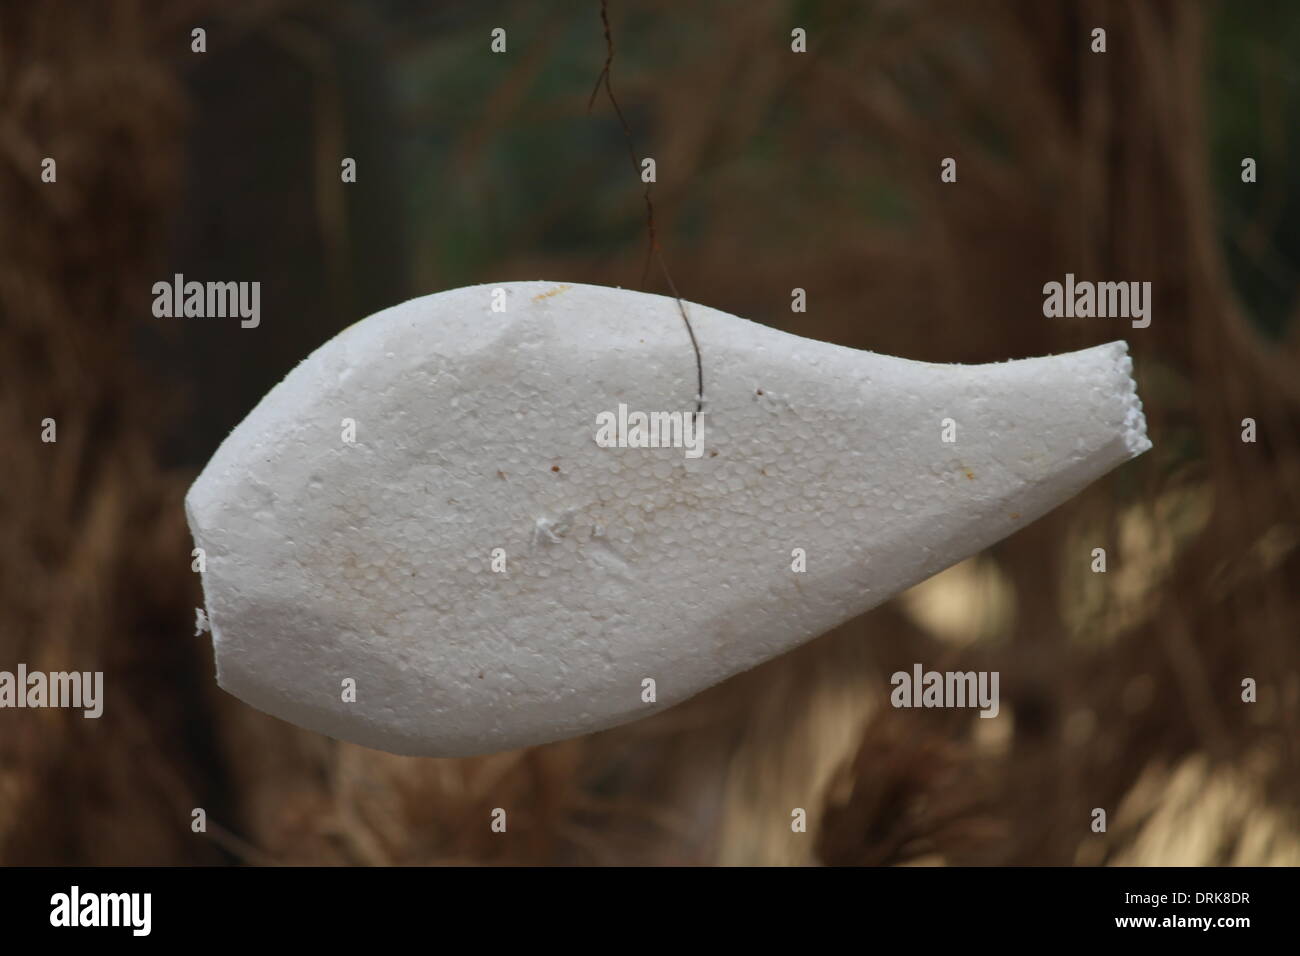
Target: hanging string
[(653, 250)]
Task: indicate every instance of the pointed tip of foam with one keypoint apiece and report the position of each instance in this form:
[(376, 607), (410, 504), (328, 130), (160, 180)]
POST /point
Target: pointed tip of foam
[(1135, 422)]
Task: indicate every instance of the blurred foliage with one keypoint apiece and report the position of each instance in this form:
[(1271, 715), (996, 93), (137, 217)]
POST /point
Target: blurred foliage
[(1254, 105), (776, 170)]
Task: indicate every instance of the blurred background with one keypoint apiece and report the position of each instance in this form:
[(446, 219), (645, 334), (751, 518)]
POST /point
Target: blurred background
[(776, 170)]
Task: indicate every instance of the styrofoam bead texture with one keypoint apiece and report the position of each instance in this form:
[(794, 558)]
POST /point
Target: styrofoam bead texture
[(475, 430)]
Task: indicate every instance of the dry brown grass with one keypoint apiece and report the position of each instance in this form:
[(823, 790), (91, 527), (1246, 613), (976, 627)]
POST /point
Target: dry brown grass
[(1120, 692)]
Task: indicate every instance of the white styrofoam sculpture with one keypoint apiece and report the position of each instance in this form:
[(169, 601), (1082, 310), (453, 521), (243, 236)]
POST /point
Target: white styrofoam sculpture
[(415, 541)]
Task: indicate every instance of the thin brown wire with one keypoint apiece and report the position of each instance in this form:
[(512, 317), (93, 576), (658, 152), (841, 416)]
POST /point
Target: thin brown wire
[(653, 249)]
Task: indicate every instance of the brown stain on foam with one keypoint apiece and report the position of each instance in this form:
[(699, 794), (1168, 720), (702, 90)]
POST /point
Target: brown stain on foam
[(552, 292)]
